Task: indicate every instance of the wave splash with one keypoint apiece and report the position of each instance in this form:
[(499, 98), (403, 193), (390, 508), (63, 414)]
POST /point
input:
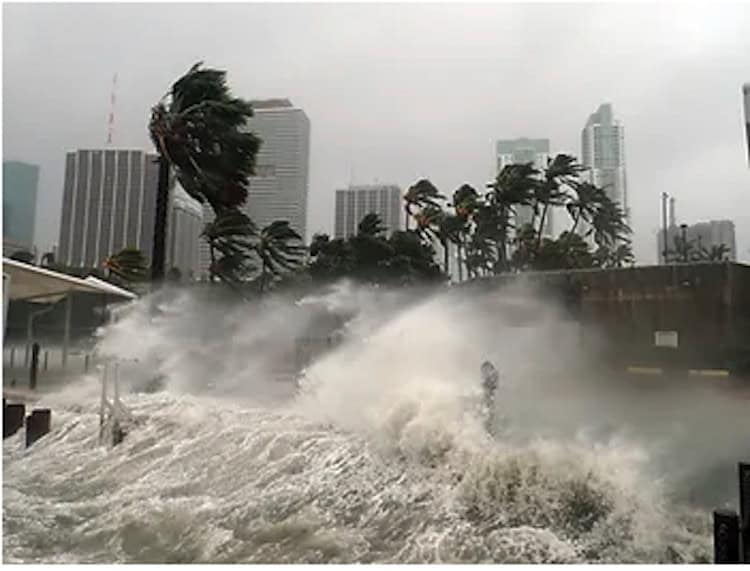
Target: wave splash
[(381, 457)]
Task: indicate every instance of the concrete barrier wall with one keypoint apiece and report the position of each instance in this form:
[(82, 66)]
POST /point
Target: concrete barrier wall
[(707, 306)]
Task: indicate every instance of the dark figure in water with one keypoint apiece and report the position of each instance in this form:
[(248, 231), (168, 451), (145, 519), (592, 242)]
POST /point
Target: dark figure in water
[(490, 379)]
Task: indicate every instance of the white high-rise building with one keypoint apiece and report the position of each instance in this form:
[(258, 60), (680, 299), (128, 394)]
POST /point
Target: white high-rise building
[(603, 154), (355, 202), (278, 190), (523, 151), (183, 234)]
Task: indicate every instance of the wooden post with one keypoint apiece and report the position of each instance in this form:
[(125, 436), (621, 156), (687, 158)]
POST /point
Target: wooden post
[(46, 359), (12, 356), (34, 369), (744, 474), (37, 425), (86, 363), (12, 418), (726, 536)]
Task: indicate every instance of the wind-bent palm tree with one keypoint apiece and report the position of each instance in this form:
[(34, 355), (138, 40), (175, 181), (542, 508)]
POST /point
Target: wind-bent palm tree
[(278, 247), (583, 204), (371, 225), (609, 226), (561, 173), (421, 194), (197, 129), (718, 253), (514, 186), (129, 265), (465, 202), (232, 238)]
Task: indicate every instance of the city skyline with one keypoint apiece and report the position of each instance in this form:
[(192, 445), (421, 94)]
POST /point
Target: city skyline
[(390, 111)]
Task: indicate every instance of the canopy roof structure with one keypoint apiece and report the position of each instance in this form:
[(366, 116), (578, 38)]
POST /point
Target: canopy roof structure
[(41, 285)]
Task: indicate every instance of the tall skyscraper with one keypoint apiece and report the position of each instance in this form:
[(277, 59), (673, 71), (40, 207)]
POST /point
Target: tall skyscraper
[(746, 97), (278, 191), (109, 203), (523, 151), (20, 184), (355, 202), (603, 154)]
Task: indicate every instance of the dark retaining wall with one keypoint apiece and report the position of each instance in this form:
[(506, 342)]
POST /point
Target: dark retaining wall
[(707, 304)]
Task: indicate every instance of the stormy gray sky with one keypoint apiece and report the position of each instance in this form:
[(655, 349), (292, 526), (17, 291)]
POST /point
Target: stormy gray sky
[(395, 91)]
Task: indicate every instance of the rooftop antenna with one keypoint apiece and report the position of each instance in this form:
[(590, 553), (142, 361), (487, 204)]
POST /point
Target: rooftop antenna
[(111, 121)]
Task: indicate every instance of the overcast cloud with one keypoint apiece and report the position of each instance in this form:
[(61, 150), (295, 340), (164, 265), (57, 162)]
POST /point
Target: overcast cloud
[(395, 92)]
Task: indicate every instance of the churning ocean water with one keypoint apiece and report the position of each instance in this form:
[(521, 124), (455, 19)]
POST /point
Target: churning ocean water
[(381, 456)]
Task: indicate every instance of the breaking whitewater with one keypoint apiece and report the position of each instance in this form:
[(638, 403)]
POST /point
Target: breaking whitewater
[(379, 452)]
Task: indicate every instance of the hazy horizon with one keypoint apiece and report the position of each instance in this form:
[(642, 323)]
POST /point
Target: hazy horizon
[(397, 92)]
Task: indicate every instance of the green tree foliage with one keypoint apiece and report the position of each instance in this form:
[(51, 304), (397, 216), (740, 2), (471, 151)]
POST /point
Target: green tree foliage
[(482, 226), (370, 257), (199, 127), (128, 265), (279, 248), (22, 256)]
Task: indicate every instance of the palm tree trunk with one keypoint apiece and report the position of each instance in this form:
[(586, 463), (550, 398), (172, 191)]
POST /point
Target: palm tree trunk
[(158, 251), (262, 276), (406, 217), (541, 227), (459, 260), (212, 253), (446, 256)]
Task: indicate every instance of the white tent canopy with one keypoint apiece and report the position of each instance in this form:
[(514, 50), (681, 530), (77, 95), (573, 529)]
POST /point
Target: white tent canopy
[(42, 285)]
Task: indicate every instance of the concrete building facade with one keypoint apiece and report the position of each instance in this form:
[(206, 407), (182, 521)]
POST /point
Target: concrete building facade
[(278, 191), (109, 203), (355, 202), (703, 235)]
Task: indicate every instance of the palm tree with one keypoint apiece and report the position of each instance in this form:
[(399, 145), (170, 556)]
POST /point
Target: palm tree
[(421, 194), (583, 204), (514, 186), (278, 247), (371, 225), (128, 265), (198, 131), (231, 238), (718, 253), (609, 226), (465, 201), (561, 173)]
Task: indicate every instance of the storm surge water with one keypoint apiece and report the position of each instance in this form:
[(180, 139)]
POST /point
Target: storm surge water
[(380, 454)]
